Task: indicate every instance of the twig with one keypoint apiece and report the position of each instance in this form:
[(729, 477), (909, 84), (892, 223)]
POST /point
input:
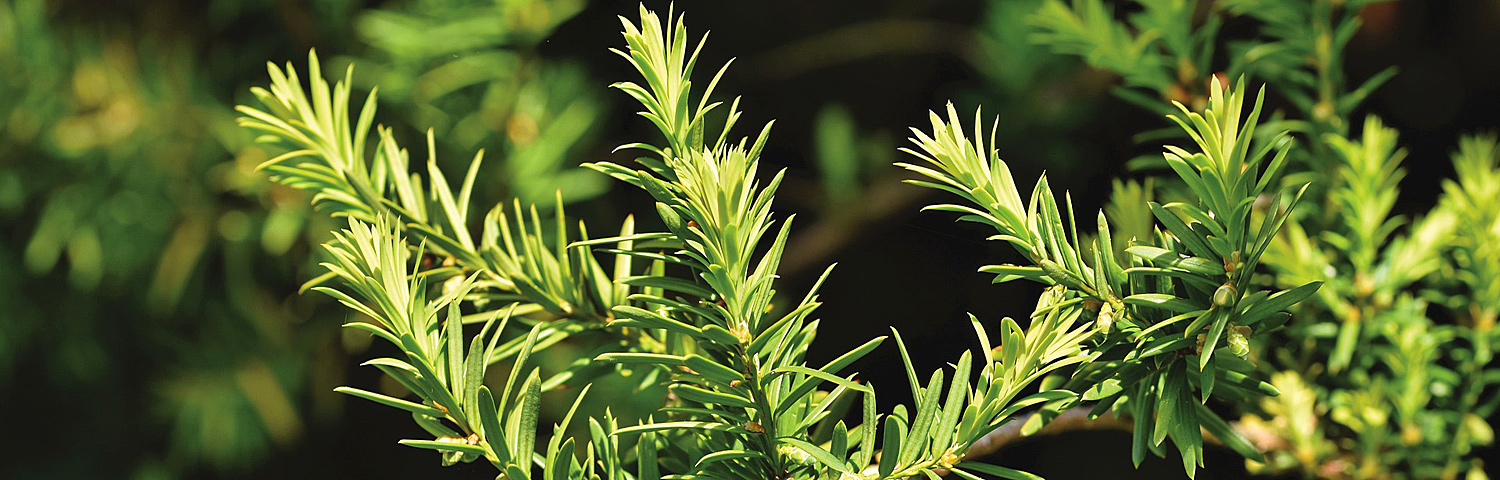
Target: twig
[(1070, 420), (1077, 419)]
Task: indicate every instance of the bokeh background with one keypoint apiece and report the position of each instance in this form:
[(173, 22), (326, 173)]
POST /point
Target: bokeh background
[(149, 322)]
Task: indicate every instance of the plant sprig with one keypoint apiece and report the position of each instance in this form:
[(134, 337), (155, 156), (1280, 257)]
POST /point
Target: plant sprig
[(1370, 325), (327, 155), (1181, 295), (743, 402), (748, 401)]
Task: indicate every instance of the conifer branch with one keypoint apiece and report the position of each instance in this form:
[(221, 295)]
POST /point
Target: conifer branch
[(1184, 295)]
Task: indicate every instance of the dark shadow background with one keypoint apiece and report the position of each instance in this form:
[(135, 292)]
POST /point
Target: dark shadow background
[(888, 63)]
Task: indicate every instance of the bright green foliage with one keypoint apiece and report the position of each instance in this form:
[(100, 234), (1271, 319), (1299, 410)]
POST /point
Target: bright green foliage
[(750, 404), (508, 271), (1387, 371), (327, 157), (442, 366), (1427, 378), (1163, 316), (743, 401), (1471, 199)]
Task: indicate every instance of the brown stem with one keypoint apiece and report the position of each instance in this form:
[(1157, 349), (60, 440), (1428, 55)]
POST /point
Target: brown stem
[(1070, 420)]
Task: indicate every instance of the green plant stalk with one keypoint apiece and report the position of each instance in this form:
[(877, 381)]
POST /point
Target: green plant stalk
[(766, 412)]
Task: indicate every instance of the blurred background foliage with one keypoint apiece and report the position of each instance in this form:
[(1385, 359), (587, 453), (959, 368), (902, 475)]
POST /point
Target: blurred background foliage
[(149, 326)]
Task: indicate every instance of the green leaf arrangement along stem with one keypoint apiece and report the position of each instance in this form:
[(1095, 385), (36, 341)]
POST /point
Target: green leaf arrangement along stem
[(1388, 371), (1150, 337), (1172, 319)]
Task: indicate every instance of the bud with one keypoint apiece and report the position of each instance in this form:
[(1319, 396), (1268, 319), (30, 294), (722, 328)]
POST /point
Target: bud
[(1106, 318), (720, 335), (1232, 263), (1238, 344), (1051, 296), (1224, 296), (741, 333), (452, 284), (1410, 434), (950, 458)]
